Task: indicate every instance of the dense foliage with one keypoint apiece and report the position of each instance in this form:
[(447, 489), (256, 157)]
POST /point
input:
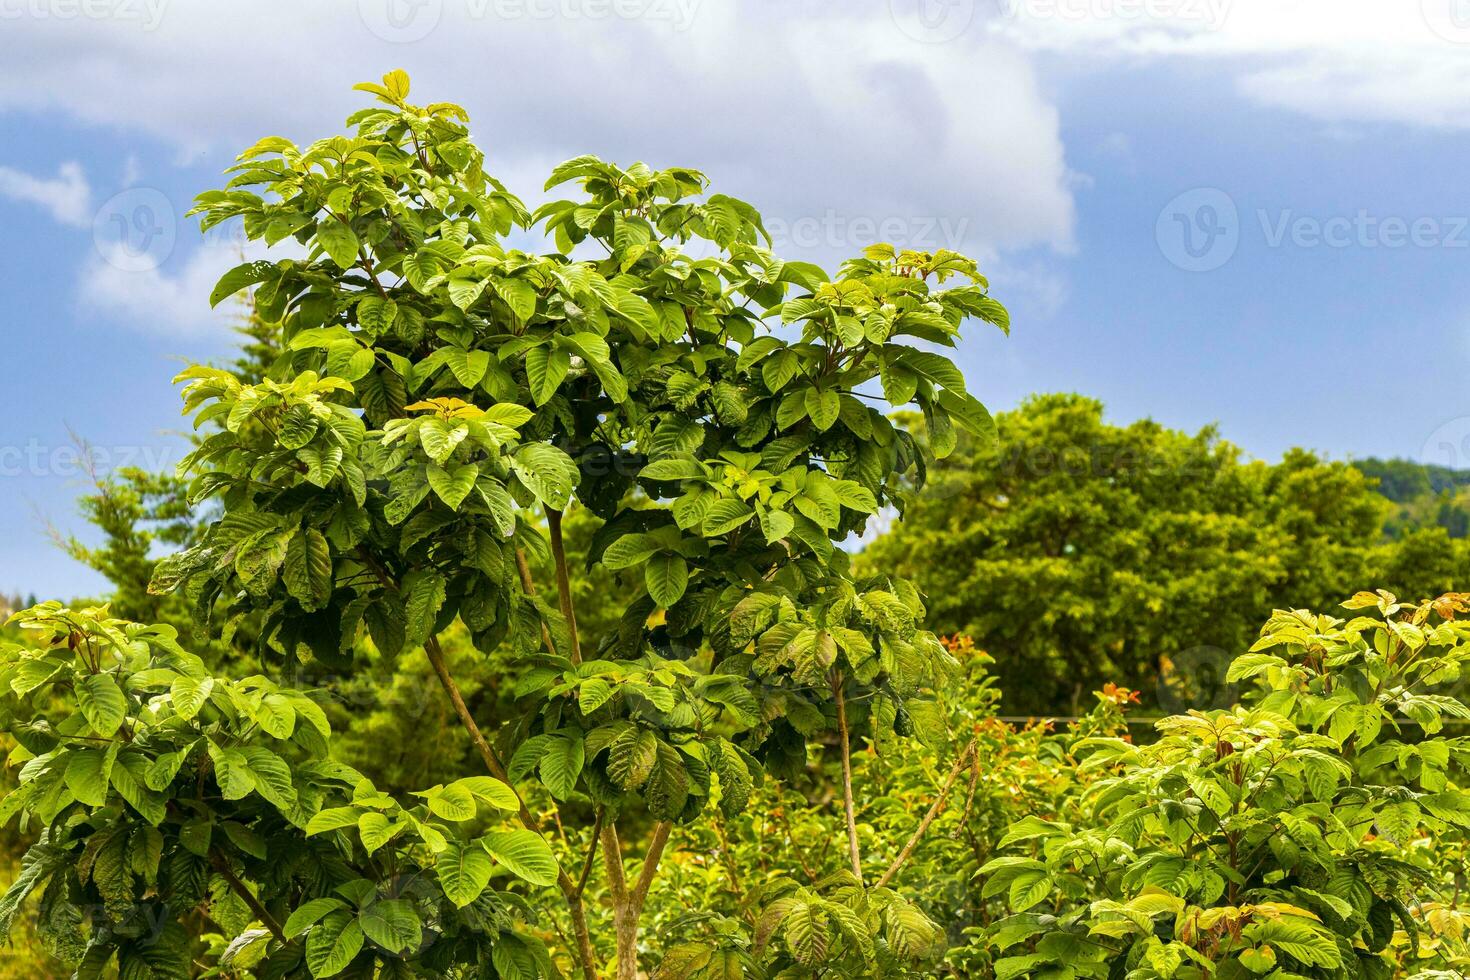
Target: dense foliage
[(1129, 532), (1314, 831), (439, 387), (510, 634)]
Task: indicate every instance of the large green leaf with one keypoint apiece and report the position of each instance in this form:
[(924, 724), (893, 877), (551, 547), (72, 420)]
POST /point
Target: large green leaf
[(524, 853), (561, 765), (333, 943), (453, 485), (102, 702), (464, 870), (308, 569), (339, 241), (393, 924), (667, 576)]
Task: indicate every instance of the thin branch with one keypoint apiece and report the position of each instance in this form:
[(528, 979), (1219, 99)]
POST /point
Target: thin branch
[(248, 897), (435, 654), (650, 863), (591, 852), (528, 586), (563, 581), (853, 851), (929, 818)]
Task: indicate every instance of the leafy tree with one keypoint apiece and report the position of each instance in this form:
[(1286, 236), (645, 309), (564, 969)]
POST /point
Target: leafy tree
[(1424, 495), (171, 802), (1080, 553), (1274, 838), (440, 388)]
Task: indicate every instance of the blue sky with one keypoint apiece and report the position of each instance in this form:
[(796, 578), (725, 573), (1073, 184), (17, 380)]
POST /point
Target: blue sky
[(1313, 150)]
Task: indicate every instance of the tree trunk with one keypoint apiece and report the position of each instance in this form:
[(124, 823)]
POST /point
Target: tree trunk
[(625, 920)]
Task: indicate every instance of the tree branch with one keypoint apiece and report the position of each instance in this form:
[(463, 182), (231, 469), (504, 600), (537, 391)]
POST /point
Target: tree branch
[(853, 853), (528, 586), (929, 818), (248, 897), (612, 857), (591, 852), (563, 581), (497, 769), (650, 863)]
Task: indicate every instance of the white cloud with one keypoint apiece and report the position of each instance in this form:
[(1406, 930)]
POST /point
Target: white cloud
[(171, 298), (67, 195), (1338, 61), (798, 107)]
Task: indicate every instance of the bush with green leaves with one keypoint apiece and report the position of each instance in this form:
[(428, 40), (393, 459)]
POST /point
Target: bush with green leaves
[(171, 803), (442, 399), (1316, 831)]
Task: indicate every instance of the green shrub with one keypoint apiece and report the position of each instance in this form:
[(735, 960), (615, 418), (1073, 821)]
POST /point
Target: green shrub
[(1315, 831)]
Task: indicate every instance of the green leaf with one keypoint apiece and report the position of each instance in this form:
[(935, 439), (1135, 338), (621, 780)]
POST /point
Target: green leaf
[(629, 550), (376, 314), (561, 765), (271, 776), (333, 943), (102, 703), (245, 274), (440, 438), (464, 291), (725, 516), (667, 576), (776, 524), (631, 756), (453, 486), (339, 241), (453, 802), (188, 695), (423, 596), (546, 368), (88, 772), (547, 472), (276, 716), (393, 924), (823, 406), (335, 818), (464, 871), (525, 854), (490, 791), (307, 571), (310, 914), (377, 830), (674, 468)]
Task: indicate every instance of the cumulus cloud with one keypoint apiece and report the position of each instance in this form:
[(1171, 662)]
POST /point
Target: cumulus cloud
[(795, 106), (1338, 61), (168, 298), (67, 196)]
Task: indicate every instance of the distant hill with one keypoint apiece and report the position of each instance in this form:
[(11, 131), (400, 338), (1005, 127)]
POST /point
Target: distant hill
[(1423, 495)]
